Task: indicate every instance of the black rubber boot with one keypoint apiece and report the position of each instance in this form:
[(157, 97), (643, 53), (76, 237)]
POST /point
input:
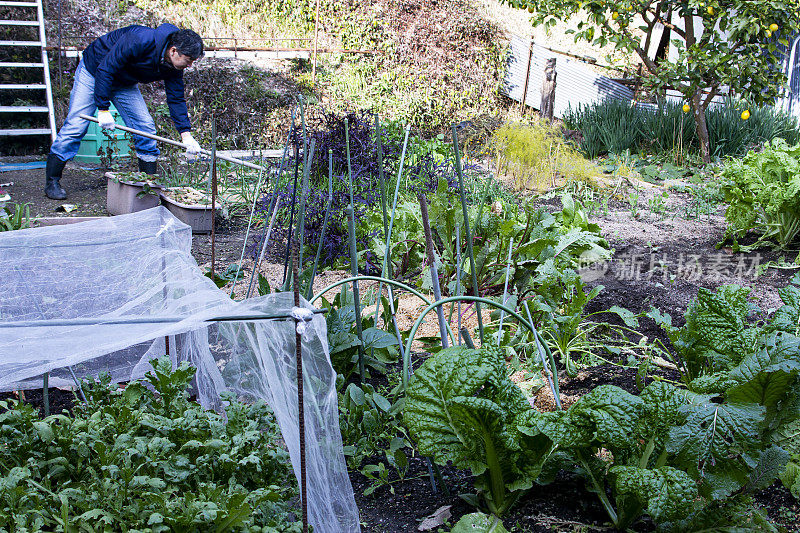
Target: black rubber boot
[(53, 170), (148, 167)]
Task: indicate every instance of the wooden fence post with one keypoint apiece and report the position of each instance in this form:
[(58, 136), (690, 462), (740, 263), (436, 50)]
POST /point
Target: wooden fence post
[(548, 89)]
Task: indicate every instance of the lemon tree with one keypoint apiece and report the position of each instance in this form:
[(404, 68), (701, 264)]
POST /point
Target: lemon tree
[(719, 43)]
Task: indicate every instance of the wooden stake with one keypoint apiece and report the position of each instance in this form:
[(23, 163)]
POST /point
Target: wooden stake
[(527, 77), (316, 33)]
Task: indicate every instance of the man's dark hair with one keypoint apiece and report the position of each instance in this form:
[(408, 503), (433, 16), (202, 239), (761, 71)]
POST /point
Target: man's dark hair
[(188, 43)]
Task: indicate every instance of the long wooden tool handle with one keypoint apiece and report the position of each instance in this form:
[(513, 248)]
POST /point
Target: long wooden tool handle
[(177, 143)]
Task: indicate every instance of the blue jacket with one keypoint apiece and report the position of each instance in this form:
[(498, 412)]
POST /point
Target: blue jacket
[(131, 55)]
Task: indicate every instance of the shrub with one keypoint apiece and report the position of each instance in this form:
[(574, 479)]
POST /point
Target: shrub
[(536, 156)]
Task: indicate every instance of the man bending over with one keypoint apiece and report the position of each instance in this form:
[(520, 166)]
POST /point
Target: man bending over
[(110, 70)]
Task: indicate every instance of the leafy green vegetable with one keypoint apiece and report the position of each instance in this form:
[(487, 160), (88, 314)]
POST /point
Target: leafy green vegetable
[(762, 193), (143, 458), (479, 523), (461, 407), (741, 422)]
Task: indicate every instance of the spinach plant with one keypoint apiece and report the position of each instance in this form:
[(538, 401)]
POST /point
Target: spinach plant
[(144, 458), (377, 442)]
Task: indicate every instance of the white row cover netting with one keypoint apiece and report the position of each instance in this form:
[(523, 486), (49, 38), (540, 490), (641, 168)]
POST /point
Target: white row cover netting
[(103, 295)]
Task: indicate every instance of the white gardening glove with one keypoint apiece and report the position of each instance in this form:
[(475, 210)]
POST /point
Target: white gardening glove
[(106, 120), (192, 146)]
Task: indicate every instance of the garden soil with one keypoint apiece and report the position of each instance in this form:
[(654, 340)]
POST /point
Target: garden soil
[(661, 260)]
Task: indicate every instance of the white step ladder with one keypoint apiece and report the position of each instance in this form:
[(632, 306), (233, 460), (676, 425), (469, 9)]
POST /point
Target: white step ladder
[(24, 6)]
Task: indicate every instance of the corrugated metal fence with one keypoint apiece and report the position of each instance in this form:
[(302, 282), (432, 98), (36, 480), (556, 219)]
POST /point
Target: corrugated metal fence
[(791, 102), (577, 84)]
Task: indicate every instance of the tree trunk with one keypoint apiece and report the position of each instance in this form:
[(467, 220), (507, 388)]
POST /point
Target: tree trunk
[(548, 90), (701, 127)]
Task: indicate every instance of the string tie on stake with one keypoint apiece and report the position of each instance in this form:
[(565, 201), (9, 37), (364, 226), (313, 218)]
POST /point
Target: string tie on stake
[(301, 315)]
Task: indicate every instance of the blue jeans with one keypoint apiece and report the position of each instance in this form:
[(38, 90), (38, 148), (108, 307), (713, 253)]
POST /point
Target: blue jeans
[(127, 100)]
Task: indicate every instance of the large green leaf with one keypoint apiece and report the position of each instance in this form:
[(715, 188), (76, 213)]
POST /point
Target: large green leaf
[(712, 445), (767, 376), (606, 417), (452, 373), (666, 493), (461, 407), (787, 318)]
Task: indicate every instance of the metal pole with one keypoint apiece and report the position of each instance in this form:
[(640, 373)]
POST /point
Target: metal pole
[(301, 423), (156, 319), (213, 191), (178, 144)]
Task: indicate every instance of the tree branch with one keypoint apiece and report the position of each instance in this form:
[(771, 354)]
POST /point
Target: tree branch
[(711, 94), (649, 63), (664, 22)]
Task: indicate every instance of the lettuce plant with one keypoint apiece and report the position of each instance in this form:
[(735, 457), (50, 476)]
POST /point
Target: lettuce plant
[(462, 408), (762, 192)]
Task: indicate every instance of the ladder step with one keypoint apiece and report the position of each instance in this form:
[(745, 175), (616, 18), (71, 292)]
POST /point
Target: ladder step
[(19, 22), (35, 131), (18, 4), (23, 86), (20, 65), (20, 43), (23, 109)]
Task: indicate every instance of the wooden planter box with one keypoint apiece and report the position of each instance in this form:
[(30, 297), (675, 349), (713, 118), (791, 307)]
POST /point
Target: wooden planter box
[(125, 197), (200, 216)]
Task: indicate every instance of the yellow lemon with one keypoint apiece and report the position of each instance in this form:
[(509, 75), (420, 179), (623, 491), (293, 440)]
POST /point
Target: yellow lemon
[(773, 27), (686, 108), (710, 10), (630, 8), (769, 34), (745, 114), (615, 15)]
